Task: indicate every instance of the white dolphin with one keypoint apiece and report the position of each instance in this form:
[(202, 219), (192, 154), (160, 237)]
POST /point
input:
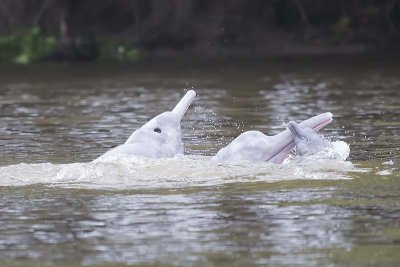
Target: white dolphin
[(254, 146), (160, 137)]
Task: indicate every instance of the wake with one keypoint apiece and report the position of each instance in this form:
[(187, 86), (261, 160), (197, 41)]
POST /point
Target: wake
[(132, 172)]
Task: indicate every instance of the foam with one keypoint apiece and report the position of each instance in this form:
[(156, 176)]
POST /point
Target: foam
[(132, 172)]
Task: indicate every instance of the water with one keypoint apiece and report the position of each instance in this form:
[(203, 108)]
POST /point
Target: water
[(58, 209)]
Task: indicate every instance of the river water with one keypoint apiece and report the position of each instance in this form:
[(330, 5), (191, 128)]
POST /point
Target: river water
[(59, 209)]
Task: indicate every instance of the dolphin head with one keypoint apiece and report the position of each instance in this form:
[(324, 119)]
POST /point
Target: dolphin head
[(161, 136), (307, 140), (284, 142)]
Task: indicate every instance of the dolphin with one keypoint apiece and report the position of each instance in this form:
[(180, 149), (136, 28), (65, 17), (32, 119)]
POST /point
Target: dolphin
[(160, 137), (254, 146), (308, 141)]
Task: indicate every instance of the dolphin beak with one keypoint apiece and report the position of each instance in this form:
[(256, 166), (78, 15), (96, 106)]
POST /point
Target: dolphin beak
[(184, 104), (318, 122)]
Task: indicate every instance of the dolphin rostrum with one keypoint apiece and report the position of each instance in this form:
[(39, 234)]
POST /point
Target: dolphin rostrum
[(308, 141), (254, 146), (160, 137)]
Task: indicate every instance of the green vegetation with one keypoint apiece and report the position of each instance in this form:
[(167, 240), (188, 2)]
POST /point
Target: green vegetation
[(26, 46), (32, 45), (341, 28), (192, 28), (120, 52)]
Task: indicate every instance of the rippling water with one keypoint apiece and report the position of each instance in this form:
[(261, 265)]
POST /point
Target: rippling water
[(59, 209)]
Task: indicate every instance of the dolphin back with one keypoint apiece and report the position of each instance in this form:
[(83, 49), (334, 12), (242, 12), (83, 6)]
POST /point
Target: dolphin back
[(274, 149)]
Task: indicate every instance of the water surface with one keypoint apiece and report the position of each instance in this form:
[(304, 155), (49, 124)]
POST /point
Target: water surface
[(59, 210)]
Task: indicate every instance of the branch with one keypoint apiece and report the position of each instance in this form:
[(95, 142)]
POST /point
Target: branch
[(303, 14), (388, 15), (39, 14)]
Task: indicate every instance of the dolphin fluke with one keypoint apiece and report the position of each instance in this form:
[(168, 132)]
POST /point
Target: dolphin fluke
[(184, 104)]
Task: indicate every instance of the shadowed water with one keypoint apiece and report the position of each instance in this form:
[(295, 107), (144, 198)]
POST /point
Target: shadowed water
[(58, 209)]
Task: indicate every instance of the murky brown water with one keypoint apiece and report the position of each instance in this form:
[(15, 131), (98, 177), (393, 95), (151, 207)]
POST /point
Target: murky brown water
[(72, 113)]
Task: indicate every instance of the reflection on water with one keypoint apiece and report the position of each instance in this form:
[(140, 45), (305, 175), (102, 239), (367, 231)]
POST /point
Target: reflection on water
[(163, 227), (56, 115)]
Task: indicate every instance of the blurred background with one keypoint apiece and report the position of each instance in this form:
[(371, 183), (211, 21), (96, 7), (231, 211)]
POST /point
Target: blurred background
[(93, 30)]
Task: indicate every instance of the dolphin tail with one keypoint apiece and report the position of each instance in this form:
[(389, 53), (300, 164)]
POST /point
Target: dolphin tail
[(184, 104)]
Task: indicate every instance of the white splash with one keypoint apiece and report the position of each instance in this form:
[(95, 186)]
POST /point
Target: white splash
[(388, 168), (390, 162), (338, 150), (384, 172), (132, 172)]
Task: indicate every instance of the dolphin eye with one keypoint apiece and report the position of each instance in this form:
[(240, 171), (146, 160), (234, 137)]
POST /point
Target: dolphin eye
[(157, 130)]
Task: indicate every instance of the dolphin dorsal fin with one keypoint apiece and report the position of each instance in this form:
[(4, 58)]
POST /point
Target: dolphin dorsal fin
[(184, 104)]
